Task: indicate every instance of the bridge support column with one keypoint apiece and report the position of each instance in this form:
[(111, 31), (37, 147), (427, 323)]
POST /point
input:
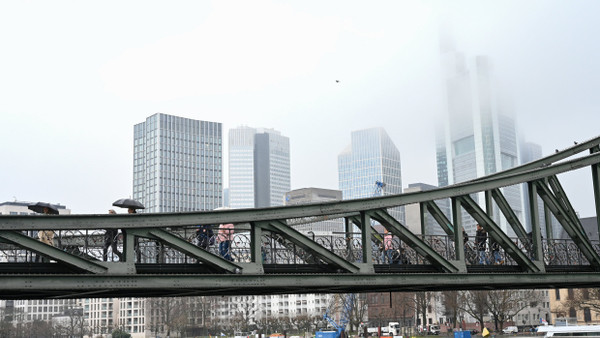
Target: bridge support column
[(459, 246), (537, 248), (367, 250)]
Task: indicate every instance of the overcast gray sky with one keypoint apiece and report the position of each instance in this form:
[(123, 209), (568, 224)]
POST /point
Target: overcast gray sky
[(76, 76)]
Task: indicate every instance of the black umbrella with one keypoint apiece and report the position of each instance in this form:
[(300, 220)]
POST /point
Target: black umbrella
[(40, 206), (128, 203)]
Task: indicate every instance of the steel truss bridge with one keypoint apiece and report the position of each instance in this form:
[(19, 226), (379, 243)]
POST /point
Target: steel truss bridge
[(268, 256)]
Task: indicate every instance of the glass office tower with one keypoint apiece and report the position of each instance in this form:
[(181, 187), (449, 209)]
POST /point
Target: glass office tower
[(479, 135), (177, 164), (370, 157), (259, 167)]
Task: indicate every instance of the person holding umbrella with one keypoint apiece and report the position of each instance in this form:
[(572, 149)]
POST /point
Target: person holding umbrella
[(131, 205), (44, 236), (110, 240)]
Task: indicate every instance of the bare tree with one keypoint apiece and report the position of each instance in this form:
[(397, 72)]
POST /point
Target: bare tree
[(172, 313), (351, 305), (582, 299), (475, 304), (35, 329), (505, 304), (244, 311), (452, 306), (420, 303), (305, 322)]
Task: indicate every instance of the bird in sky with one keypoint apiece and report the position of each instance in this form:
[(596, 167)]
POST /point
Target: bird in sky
[(337, 81)]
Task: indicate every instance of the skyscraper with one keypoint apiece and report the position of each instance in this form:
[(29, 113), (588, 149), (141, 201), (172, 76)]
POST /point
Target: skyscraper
[(531, 152), (177, 164), (259, 167), (479, 137), (177, 167), (370, 157)]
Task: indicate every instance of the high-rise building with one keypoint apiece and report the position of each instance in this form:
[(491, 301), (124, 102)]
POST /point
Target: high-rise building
[(371, 157), (326, 227), (177, 168), (530, 152), (259, 167), (177, 164), (479, 137), (413, 214)]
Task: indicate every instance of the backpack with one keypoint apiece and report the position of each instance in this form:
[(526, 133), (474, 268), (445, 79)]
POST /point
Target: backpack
[(206, 237), (211, 236)]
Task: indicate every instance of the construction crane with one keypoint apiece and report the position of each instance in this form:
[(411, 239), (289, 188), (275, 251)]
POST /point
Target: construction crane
[(379, 189), (339, 329)]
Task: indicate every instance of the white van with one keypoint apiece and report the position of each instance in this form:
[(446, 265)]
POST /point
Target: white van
[(510, 329), (241, 335)]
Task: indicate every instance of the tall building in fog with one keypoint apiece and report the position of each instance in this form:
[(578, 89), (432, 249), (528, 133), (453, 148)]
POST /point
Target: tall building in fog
[(370, 157), (479, 135), (530, 152), (177, 164), (259, 167)]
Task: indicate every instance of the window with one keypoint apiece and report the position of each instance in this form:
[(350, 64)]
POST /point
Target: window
[(557, 293), (587, 315)]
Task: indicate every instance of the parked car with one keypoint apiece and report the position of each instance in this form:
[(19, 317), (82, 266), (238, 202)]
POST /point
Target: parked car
[(434, 330), (510, 329)]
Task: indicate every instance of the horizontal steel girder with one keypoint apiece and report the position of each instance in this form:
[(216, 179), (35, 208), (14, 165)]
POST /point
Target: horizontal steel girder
[(62, 286), (105, 221)]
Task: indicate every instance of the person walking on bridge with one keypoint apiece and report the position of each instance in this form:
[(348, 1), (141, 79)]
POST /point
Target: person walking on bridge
[(225, 237), (111, 237), (481, 243)]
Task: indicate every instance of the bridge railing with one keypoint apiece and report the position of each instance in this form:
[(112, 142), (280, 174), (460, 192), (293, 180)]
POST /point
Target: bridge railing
[(93, 244)]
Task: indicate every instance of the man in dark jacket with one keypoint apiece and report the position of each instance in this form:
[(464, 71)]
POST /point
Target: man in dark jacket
[(205, 236), (481, 243)]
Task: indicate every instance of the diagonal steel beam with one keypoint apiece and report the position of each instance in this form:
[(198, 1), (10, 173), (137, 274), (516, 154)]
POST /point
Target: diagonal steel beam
[(596, 184), (499, 236), (438, 215), (561, 197), (509, 214), (374, 234), (56, 254), (548, 160), (78, 222), (536, 230), (574, 232), (190, 249), (399, 230), (305, 243)]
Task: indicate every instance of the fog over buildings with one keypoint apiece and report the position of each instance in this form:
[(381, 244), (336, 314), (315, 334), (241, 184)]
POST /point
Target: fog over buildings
[(68, 107)]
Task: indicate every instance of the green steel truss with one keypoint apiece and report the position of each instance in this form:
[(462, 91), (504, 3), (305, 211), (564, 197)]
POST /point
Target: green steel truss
[(160, 257)]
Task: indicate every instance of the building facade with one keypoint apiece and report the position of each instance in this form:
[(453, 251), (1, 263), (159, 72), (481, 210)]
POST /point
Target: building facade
[(327, 227), (259, 167), (371, 157), (177, 168), (478, 136), (177, 164), (413, 214)]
